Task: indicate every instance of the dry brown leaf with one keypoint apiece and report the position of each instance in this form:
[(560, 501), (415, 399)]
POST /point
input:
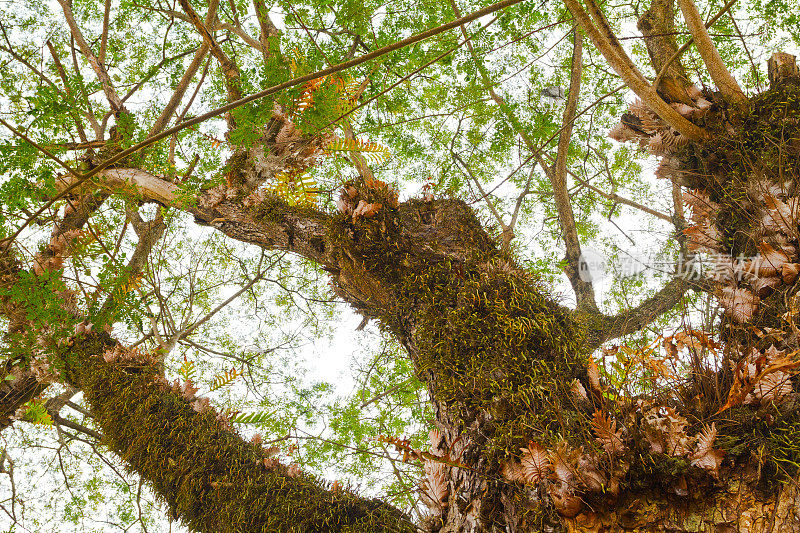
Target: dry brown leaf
[(535, 463), (607, 433)]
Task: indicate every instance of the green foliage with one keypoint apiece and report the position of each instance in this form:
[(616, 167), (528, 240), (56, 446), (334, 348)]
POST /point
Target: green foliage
[(252, 418), (224, 379), (373, 152), (296, 188), (36, 413), (187, 369)]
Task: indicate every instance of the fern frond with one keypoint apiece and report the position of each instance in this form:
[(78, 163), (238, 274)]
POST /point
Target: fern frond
[(257, 417), (221, 380), (374, 153), (705, 441), (127, 285), (348, 88), (296, 187), (535, 463), (306, 98), (607, 433), (36, 413), (187, 369)]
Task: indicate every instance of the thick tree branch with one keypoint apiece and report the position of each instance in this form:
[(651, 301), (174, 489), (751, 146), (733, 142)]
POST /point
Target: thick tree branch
[(299, 230), (725, 82), (674, 57), (25, 385), (192, 458), (658, 28), (608, 45)]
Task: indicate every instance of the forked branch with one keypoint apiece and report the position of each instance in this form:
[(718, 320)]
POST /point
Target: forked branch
[(621, 63)]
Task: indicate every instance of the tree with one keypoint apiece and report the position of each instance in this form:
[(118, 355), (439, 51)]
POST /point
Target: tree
[(676, 412)]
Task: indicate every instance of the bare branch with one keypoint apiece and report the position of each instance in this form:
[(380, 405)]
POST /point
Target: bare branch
[(169, 110), (229, 68), (101, 57), (621, 199), (584, 292)]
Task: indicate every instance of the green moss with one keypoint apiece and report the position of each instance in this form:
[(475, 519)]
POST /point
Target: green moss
[(272, 209), (493, 343), (488, 341)]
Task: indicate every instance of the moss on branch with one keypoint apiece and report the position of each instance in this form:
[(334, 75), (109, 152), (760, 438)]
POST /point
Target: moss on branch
[(210, 478)]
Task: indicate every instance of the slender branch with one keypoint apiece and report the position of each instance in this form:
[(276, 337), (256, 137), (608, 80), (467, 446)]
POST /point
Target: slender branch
[(237, 30), (102, 75), (621, 200), (12, 53), (196, 324), (485, 197), (229, 68), (583, 289), (63, 75), (521, 198), (747, 50), (584, 292), (177, 95), (101, 57), (60, 420), (152, 72)]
